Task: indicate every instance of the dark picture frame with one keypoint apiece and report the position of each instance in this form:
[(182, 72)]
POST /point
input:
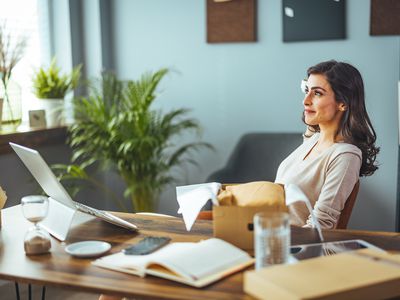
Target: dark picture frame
[(313, 20)]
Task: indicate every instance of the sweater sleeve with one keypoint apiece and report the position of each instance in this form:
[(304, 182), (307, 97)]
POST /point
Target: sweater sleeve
[(341, 176)]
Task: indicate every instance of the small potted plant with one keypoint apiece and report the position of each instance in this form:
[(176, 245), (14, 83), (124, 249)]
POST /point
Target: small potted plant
[(50, 87)]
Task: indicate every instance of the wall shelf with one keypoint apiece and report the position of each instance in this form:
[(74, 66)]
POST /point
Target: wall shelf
[(33, 137)]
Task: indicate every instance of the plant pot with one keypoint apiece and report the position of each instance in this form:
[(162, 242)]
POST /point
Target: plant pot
[(144, 198), (54, 110)]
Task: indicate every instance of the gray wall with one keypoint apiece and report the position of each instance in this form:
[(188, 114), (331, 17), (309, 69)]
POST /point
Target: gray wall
[(237, 88), (242, 87)]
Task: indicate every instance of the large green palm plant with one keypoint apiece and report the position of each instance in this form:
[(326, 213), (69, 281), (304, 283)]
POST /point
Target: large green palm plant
[(116, 126)]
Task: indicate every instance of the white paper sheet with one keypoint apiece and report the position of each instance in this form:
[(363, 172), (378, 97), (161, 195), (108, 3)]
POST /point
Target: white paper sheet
[(192, 198)]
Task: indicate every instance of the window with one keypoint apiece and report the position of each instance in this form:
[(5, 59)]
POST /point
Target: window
[(28, 18)]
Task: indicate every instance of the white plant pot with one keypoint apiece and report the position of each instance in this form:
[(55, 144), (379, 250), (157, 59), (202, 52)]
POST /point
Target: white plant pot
[(54, 110)]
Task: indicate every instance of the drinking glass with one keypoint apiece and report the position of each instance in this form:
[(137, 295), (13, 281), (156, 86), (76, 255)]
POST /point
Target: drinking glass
[(34, 209), (271, 238)]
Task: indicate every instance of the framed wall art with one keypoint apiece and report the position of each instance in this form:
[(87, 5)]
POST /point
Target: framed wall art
[(385, 17), (313, 20), (231, 21), (37, 118)]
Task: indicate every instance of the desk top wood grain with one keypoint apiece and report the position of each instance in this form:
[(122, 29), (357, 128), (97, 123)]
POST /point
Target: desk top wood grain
[(60, 269)]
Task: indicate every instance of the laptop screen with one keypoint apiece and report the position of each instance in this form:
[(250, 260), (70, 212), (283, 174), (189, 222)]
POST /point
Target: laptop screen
[(43, 174)]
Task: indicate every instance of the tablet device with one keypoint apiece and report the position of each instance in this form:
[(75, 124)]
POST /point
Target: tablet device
[(301, 252)]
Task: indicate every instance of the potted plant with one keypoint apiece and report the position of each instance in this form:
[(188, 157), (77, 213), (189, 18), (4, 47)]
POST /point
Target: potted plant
[(117, 127), (12, 49), (50, 87)]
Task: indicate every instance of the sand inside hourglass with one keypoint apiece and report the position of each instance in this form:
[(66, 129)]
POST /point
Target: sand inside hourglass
[(34, 219), (37, 245)]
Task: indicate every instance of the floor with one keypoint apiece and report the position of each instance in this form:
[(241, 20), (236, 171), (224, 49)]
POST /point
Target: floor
[(7, 292)]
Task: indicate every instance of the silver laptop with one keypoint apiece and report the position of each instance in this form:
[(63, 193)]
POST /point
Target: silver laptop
[(53, 188)]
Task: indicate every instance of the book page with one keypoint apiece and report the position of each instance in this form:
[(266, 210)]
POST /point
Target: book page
[(202, 259), (139, 263), (190, 261), (135, 263)]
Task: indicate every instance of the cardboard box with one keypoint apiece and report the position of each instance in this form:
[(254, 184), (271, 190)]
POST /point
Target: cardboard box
[(362, 274), (234, 224)]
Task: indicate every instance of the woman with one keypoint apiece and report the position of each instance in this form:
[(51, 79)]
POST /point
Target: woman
[(339, 143)]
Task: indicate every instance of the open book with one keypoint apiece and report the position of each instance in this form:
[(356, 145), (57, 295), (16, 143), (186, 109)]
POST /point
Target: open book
[(195, 264)]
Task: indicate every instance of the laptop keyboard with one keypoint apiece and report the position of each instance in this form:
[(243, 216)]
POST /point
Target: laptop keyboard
[(105, 216), (92, 211)]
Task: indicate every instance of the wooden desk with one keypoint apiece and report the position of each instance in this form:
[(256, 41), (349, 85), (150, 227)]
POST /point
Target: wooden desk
[(60, 269)]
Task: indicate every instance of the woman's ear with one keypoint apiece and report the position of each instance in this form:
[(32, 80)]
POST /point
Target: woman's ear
[(342, 107)]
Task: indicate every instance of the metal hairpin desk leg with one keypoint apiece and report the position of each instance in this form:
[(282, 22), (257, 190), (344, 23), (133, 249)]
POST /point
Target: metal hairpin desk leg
[(17, 290), (43, 293), (29, 292)]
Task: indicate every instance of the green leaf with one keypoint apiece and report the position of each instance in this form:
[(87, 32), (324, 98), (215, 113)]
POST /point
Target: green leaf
[(51, 84), (117, 127)]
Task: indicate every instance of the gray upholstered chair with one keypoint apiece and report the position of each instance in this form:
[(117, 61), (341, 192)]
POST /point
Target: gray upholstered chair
[(257, 157)]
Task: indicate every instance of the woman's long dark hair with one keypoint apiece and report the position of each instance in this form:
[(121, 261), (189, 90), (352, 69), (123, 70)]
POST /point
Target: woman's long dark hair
[(355, 127)]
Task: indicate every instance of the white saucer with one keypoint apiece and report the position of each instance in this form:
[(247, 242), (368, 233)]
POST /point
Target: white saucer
[(87, 248)]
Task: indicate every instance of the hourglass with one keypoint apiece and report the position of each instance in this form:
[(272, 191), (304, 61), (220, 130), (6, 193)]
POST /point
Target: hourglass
[(37, 240)]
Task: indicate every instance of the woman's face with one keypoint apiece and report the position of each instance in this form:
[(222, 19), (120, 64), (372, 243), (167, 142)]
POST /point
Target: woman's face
[(320, 106)]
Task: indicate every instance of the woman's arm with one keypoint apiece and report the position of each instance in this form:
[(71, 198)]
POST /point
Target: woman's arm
[(341, 176)]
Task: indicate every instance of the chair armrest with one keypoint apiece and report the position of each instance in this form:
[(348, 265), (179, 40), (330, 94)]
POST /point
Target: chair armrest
[(205, 215)]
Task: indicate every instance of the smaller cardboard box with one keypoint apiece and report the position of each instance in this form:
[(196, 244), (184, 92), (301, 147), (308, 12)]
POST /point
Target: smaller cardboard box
[(234, 224), (362, 274)]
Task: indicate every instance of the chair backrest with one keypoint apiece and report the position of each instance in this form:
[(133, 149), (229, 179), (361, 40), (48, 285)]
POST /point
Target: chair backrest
[(257, 157), (348, 208)]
